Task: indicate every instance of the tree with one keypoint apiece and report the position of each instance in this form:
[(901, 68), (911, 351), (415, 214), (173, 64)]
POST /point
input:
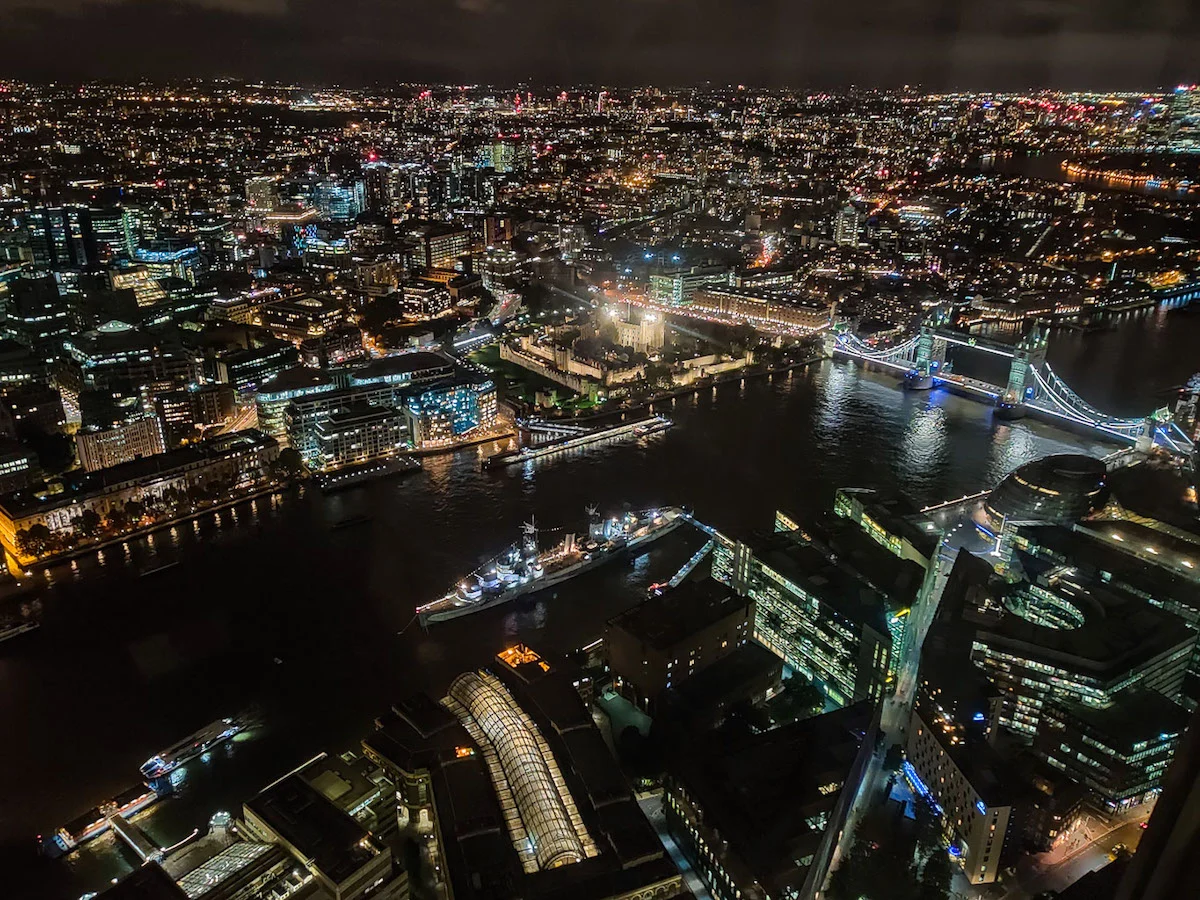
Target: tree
[(289, 464), (658, 376), (88, 522), (929, 827), (35, 540), (134, 510), (118, 519), (936, 876)]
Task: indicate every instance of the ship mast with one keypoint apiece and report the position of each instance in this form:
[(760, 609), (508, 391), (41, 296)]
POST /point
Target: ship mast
[(529, 539)]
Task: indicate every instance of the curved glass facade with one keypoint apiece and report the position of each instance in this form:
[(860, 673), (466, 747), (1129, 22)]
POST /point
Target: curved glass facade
[(523, 768), (1057, 489)]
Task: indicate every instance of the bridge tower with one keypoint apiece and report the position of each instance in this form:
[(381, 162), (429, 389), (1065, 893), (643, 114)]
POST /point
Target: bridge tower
[(1030, 355), (931, 351)]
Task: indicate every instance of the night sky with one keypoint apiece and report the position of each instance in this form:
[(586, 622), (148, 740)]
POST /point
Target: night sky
[(987, 44)]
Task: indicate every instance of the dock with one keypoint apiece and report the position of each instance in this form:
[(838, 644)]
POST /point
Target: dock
[(146, 849), (576, 441)]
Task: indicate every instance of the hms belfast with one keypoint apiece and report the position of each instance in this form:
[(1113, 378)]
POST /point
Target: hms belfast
[(525, 568)]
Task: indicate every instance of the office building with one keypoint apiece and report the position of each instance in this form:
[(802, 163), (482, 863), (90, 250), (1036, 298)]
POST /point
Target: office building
[(441, 415), (117, 352), (847, 227), (672, 636), (1118, 752), (1133, 557), (262, 192), (442, 245), (272, 398), (1058, 490), (37, 316), (340, 345), (892, 522), (107, 447), (19, 466), (61, 237), (361, 433), (380, 187), (1166, 865), (35, 407), (411, 368), (249, 369), (677, 288), (1059, 637), (836, 615), (517, 793), (760, 816), (423, 300), (298, 318), (500, 268)]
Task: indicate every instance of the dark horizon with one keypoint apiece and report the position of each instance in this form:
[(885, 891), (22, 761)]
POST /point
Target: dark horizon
[(937, 44)]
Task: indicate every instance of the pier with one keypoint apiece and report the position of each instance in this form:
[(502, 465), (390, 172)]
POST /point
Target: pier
[(146, 849), (575, 441)]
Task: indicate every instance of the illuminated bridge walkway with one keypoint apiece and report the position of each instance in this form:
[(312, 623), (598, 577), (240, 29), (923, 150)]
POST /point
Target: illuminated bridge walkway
[(145, 848), (1032, 384)]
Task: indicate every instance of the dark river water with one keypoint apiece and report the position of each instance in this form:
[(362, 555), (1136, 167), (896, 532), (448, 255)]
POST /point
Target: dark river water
[(274, 614)]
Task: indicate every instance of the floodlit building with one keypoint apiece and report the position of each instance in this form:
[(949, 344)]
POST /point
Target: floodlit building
[(241, 459), (765, 309)]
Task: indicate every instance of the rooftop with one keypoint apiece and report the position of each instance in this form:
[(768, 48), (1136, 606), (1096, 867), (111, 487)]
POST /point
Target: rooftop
[(758, 792), (305, 819), (1135, 715), (665, 620), (297, 378), (149, 882), (836, 585), (401, 364)]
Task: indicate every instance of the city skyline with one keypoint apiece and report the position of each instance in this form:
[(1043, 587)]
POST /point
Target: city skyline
[(938, 44)]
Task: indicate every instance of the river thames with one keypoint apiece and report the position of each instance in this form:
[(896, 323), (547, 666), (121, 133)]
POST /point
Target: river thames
[(273, 614)]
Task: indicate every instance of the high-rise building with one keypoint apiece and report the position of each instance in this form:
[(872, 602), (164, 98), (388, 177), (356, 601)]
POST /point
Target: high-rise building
[(847, 226), (61, 237), (378, 187)]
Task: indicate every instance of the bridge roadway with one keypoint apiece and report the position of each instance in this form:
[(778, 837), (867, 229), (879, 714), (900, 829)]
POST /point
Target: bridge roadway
[(145, 848)]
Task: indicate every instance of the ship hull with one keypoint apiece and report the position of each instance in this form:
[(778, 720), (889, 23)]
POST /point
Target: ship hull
[(190, 753), (550, 579)]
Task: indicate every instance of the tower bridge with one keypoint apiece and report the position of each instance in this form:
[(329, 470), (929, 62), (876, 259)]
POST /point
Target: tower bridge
[(1032, 385)]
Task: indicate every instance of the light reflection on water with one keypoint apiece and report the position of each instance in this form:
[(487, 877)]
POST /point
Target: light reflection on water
[(274, 581)]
